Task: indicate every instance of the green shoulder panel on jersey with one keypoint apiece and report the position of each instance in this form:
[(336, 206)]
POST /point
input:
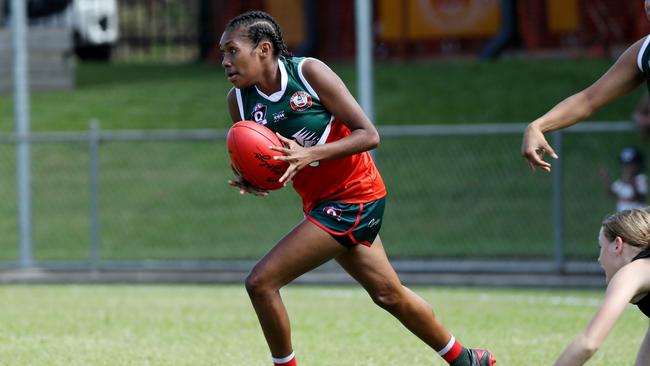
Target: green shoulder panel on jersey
[(295, 111)]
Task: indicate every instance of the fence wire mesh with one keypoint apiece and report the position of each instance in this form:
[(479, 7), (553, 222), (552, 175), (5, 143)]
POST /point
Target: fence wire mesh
[(450, 197)]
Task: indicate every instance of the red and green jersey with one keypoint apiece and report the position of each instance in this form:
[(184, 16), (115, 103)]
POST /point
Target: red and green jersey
[(296, 112)]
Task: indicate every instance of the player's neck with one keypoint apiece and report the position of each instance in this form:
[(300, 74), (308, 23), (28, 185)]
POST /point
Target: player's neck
[(271, 80)]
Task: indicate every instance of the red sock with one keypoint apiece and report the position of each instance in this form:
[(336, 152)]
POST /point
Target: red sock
[(285, 361), (451, 351)]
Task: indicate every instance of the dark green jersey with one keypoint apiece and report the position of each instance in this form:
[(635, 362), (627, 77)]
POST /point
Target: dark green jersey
[(296, 112)]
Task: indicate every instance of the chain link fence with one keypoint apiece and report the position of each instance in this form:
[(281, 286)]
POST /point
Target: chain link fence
[(455, 193)]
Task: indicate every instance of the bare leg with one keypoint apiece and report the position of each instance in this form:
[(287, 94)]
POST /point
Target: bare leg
[(301, 250), (370, 267)]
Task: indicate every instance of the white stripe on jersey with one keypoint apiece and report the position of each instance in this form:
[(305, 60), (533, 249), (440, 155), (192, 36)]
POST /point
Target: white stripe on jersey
[(639, 58), (240, 103), (304, 81), (326, 133)]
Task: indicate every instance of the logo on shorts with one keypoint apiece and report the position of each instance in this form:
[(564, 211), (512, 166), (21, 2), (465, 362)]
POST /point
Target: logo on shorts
[(259, 113), (374, 222), (333, 211), (300, 101)]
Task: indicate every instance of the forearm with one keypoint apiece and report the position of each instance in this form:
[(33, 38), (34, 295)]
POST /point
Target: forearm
[(577, 353), (568, 112), (358, 141)]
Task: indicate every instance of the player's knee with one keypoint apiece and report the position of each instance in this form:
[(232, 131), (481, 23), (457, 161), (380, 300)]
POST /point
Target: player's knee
[(387, 299), (255, 284)]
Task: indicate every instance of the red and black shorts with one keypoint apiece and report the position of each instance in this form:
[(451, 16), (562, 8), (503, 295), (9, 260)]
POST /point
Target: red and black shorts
[(350, 223)]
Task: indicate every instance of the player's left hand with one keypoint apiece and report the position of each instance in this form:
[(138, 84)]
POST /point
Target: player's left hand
[(534, 147), (294, 154)]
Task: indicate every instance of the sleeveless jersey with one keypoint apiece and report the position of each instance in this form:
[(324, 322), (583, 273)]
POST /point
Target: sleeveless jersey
[(643, 60), (644, 303), (296, 112)]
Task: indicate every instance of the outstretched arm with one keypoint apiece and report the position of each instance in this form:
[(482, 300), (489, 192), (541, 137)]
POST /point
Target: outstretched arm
[(620, 79), (628, 282)]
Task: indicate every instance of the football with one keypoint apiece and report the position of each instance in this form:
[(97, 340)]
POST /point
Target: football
[(248, 146)]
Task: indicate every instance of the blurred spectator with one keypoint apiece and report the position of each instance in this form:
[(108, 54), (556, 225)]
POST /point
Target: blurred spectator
[(508, 33), (641, 116), (631, 188)]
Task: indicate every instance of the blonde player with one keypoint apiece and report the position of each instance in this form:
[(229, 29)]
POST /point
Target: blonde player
[(624, 240)]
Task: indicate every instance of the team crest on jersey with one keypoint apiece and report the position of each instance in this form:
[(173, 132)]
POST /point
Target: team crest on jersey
[(335, 212), (259, 113), (300, 101)]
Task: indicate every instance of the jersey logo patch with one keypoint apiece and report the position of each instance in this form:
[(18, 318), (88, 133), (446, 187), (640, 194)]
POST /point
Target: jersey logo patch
[(335, 212), (305, 138), (259, 113), (374, 222), (300, 101), (279, 116)]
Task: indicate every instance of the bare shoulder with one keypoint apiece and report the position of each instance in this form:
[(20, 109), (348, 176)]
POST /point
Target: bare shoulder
[(637, 274), (632, 52), (311, 65), (638, 268), (638, 44), (318, 72)]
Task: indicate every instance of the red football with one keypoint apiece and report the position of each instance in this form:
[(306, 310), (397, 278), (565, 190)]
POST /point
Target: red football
[(248, 145)]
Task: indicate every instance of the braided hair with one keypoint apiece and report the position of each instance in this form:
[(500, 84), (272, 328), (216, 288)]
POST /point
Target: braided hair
[(261, 25)]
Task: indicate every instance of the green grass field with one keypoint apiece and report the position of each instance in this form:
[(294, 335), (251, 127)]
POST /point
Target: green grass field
[(215, 325), (454, 196), (126, 96)]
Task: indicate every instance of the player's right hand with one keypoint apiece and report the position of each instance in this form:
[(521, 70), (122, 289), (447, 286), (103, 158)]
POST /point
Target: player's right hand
[(534, 147), (245, 187)]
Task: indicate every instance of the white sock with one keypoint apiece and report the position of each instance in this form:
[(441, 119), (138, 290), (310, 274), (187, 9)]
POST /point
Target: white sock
[(284, 359), (444, 351)]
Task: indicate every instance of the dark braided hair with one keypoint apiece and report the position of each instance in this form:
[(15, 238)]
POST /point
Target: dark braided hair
[(261, 26)]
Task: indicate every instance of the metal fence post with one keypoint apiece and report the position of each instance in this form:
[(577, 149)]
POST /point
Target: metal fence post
[(558, 205), (22, 122), (93, 183)]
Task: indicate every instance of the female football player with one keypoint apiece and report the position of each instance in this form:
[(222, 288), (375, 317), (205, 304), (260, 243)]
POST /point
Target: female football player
[(628, 72), (624, 241), (326, 138)]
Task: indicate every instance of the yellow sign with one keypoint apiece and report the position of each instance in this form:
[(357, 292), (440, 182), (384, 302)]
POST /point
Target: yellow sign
[(562, 16), (426, 19), (291, 17)]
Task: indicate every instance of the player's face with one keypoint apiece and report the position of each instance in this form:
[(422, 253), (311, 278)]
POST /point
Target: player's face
[(239, 61), (609, 259)]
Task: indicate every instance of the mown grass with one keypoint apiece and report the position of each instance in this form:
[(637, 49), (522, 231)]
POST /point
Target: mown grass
[(215, 325), (126, 96), (448, 196)]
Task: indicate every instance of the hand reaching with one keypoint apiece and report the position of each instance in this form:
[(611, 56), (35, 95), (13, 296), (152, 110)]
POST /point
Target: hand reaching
[(534, 147)]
